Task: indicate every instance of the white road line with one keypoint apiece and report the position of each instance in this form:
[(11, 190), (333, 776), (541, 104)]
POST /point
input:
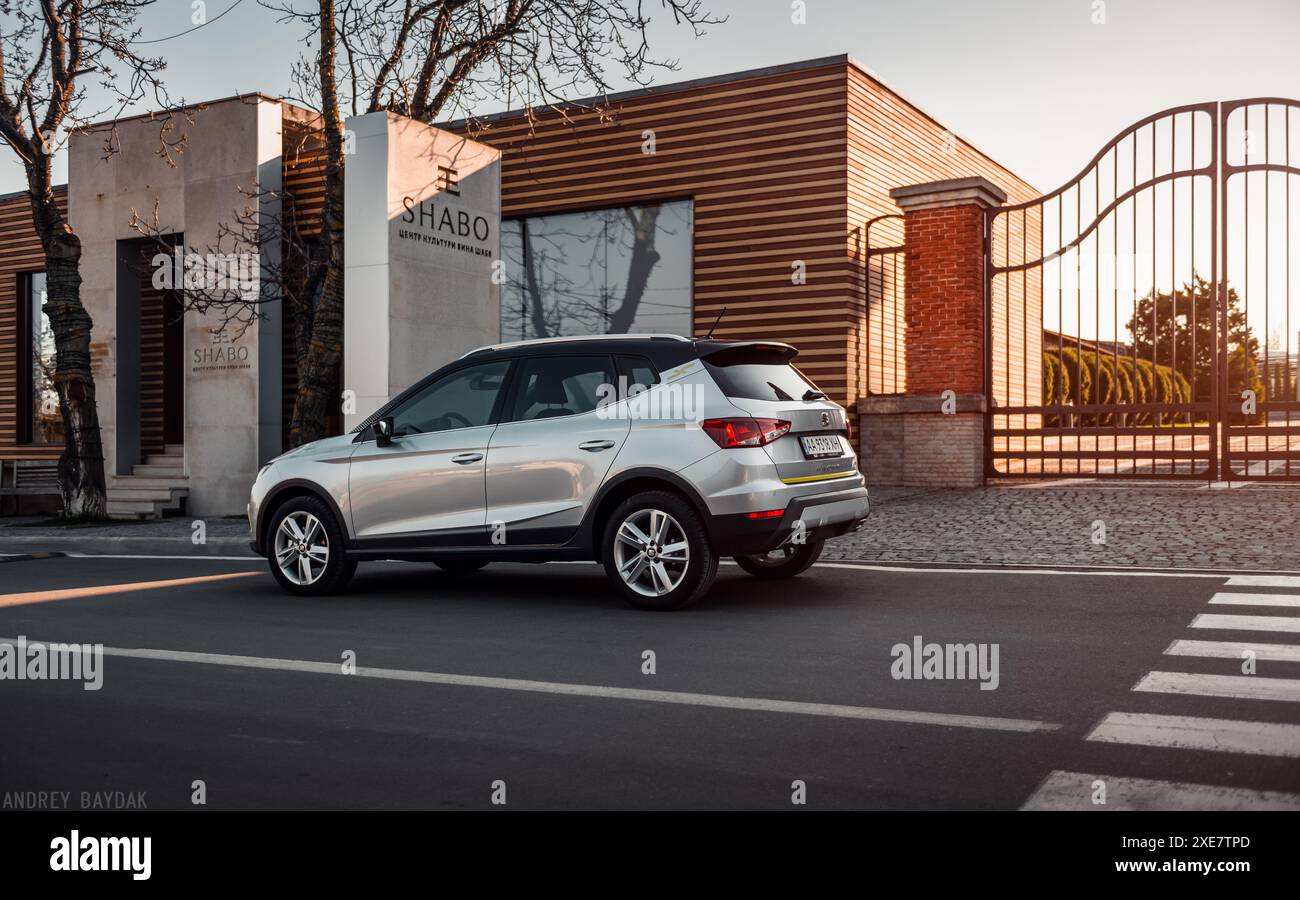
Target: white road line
[(682, 698), (1283, 581), (1075, 791), (1238, 687), (1117, 571), (1196, 733), (1235, 649), (1111, 571), (1289, 624), (1230, 599), (247, 559)]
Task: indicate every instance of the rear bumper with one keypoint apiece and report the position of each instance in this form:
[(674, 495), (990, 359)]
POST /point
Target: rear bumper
[(817, 517)]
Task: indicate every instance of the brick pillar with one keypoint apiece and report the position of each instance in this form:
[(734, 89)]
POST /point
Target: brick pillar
[(916, 438)]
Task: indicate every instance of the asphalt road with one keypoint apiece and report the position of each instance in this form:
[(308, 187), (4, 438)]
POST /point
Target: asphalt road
[(530, 676)]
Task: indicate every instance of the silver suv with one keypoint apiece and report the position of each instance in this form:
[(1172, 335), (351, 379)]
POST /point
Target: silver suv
[(652, 454)]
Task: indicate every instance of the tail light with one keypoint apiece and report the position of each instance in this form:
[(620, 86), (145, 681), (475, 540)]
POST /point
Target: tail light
[(745, 432)]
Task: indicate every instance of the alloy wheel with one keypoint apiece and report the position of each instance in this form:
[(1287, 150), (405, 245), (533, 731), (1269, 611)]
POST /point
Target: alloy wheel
[(302, 548), (651, 552)]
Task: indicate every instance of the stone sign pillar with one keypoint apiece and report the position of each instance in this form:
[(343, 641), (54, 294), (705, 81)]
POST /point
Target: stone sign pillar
[(422, 240), (934, 434), (225, 384)]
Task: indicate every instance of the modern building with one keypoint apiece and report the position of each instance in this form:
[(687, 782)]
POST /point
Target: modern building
[(744, 204)]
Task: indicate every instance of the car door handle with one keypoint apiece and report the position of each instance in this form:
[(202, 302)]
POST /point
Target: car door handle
[(595, 446), (465, 459)]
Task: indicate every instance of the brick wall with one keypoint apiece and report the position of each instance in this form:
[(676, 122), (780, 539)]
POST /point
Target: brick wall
[(945, 290)]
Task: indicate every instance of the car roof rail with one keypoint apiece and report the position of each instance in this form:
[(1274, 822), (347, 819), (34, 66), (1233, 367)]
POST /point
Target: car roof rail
[(575, 338)]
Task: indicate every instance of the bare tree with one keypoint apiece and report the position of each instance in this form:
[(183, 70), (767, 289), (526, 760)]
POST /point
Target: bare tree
[(438, 60), (48, 51)]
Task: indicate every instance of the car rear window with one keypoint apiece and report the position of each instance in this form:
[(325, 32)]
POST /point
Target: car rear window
[(760, 380)]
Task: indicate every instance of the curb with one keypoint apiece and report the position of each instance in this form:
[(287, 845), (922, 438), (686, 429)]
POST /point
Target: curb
[(24, 557), (141, 546)]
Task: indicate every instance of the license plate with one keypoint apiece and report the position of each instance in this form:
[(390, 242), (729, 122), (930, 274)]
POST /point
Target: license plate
[(816, 446)]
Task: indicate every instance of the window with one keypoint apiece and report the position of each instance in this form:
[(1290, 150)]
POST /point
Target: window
[(551, 386), (43, 422), (760, 381), (463, 399), (604, 271), (637, 372)]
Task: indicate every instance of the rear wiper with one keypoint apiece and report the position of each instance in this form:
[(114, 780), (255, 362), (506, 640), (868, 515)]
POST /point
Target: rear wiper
[(810, 394), (780, 394)]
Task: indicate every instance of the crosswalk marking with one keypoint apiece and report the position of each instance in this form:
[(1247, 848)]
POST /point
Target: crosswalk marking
[(1238, 687), (1075, 791), (1255, 599), (1235, 650), (1248, 623), (1281, 581), (1198, 733)]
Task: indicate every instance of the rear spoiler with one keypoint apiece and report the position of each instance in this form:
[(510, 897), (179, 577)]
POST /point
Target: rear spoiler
[(731, 353)]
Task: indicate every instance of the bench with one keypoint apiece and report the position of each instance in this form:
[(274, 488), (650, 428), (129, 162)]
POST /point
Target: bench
[(29, 478)]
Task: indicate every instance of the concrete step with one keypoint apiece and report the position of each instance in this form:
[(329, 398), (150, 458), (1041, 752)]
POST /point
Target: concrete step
[(180, 482), (154, 459), (171, 450), (151, 470), (165, 494), (132, 509)]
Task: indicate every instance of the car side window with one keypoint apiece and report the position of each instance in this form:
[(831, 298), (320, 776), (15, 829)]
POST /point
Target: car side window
[(463, 399), (552, 386), (638, 372)]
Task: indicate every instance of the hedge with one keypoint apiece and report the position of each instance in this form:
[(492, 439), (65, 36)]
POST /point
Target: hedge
[(1072, 377)]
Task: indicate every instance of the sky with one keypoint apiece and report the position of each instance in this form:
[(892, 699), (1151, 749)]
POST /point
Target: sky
[(1040, 85)]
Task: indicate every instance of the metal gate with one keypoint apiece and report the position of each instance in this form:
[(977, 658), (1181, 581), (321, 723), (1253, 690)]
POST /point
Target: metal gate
[(1144, 318)]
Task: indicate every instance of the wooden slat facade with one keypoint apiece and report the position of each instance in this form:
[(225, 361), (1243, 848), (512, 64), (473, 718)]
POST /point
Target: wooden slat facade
[(784, 167), (20, 252), (892, 143)]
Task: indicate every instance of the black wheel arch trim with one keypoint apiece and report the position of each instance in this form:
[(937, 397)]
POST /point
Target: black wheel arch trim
[(586, 535), (291, 485)]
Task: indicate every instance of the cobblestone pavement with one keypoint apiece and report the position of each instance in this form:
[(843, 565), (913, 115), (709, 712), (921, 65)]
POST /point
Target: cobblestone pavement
[(1156, 526)]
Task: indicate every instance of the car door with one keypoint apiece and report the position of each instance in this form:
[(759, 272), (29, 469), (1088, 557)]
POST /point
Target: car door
[(427, 485), (553, 447)]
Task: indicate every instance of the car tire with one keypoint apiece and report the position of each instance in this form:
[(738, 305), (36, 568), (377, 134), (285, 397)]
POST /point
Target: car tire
[(784, 562), (330, 571), (458, 567), (656, 580)]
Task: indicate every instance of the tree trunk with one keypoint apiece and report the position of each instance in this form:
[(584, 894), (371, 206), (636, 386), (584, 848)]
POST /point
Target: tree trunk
[(644, 258), (536, 304), (81, 467), (318, 369)]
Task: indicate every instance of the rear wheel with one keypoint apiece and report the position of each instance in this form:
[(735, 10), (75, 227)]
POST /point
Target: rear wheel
[(460, 566), (657, 553), (783, 562), (305, 548)]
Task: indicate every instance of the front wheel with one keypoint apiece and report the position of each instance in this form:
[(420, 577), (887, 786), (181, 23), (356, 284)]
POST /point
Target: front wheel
[(783, 562), (305, 549), (657, 553)]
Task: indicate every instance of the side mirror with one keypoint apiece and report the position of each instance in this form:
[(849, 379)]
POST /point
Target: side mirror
[(384, 431)]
